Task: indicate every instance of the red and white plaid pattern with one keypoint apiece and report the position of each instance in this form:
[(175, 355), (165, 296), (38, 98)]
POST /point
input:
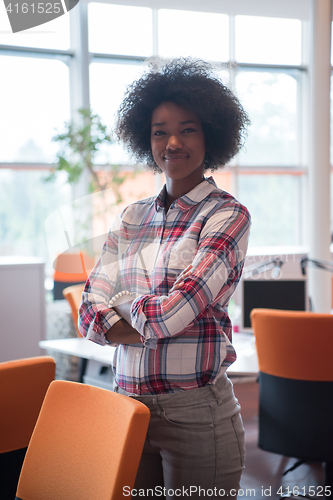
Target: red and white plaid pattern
[(186, 335)]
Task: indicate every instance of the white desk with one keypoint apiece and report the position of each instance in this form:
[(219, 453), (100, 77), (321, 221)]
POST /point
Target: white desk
[(246, 363), (99, 359), (80, 347)]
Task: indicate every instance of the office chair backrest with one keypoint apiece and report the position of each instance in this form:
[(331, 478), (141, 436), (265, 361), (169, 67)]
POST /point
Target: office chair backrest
[(295, 355), (86, 445), (73, 295), (294, 344), (23, 385), (70, 269)]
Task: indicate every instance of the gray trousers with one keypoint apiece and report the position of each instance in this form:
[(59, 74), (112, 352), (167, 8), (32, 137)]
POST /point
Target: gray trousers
[(194, 446)]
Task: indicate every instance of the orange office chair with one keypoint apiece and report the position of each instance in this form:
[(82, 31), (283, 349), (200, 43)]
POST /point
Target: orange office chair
[(86, 445), (73, 295), (295, 354), (23, 384), (70, 269)]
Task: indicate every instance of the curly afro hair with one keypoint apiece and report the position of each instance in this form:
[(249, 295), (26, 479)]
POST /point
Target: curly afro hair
[(191, 84)]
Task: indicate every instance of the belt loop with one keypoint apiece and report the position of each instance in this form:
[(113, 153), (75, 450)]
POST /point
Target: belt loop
[(221, 388), (156, 406), (216, 393)]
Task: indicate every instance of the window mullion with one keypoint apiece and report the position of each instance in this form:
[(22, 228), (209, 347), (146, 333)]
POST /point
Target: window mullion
[(155, 31), (232, 83)]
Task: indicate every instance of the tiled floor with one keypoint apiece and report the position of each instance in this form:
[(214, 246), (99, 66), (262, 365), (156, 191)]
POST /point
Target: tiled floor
[(262, 476)]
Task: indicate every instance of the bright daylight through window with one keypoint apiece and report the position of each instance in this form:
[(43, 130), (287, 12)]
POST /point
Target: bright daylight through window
[(266, 72)]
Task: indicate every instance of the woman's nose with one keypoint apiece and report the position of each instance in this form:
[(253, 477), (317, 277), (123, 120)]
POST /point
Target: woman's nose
[(174, 143)]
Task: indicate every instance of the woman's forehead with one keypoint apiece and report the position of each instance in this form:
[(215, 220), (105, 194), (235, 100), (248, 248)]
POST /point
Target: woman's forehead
[(171, 112)]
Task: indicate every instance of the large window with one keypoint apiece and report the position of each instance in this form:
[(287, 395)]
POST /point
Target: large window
[(120, 29), (34, 104), (198, 34), (265, 73), (108, 82), (26, 202), (263, 40), (260, 58), (271, 99), (36, 108)]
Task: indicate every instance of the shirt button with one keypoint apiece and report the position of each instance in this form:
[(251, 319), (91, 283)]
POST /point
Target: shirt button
[(137, 354)]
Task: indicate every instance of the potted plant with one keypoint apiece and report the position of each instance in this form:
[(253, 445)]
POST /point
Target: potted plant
[(79, 144)]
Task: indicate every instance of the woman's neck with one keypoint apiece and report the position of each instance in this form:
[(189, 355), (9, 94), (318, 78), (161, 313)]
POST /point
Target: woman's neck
[(175, 190)]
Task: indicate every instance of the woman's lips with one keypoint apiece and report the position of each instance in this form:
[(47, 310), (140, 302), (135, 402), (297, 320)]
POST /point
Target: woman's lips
[(175, 157)]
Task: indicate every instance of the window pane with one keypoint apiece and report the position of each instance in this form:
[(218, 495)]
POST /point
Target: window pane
[(120, 29), (107, 86), (271, 102), (268, 40), (26, 202), (34, 98), (274, 204), (52, 35), (139, 185), (198, 34), (223, 179)]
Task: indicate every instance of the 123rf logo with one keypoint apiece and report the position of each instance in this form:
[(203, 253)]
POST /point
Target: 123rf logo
[(23, 14)]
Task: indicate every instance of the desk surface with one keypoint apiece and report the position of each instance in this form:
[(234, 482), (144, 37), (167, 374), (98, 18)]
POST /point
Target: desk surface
[(245, 365), (80, 347)]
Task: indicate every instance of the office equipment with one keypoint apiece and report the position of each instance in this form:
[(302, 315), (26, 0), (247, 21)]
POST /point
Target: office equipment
[(296, 384), (275, 265), (320, 264), (286, 294), (86, 445), (22, 307), (23, 384)]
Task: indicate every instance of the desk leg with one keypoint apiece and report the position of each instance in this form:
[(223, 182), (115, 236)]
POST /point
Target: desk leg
[(82, 370)]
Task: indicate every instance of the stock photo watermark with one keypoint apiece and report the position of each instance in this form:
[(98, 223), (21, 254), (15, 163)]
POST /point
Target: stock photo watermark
[(197, 491), (24, 15)]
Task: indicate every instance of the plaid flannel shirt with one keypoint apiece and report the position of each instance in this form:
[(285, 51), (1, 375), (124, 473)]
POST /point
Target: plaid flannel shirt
[(186, 334)]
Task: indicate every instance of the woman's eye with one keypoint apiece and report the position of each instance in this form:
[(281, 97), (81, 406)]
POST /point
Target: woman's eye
[(159, 132), (188, 130)]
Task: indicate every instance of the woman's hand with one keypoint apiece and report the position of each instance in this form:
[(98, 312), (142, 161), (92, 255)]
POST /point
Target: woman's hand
[(123, 333), (181, 278)]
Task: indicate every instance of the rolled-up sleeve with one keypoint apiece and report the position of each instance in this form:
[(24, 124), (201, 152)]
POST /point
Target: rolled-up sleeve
[(217, 267)]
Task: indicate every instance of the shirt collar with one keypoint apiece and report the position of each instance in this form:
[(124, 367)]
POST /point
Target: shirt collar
[(195, 196)]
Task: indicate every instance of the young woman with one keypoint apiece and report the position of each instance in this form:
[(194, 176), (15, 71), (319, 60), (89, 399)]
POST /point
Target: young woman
[(164, 280)]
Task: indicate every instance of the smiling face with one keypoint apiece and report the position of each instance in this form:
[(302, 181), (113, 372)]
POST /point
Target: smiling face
[(178, 144)]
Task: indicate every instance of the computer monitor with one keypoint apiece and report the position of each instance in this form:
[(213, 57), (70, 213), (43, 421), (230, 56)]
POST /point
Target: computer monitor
[(288, 294)]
